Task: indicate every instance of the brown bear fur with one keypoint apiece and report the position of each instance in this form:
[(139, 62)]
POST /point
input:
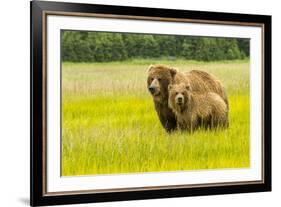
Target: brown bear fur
[(202, 81), (160, 76), (194, 109)]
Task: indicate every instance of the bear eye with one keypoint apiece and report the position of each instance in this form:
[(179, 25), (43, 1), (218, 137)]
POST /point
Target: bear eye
[(159, 79), (177, 93)]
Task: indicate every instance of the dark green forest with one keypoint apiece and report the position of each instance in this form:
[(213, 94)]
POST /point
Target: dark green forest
[(104, 47)]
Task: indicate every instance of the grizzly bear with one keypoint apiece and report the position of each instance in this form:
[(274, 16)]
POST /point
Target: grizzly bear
[(194, 109), (160, 76)]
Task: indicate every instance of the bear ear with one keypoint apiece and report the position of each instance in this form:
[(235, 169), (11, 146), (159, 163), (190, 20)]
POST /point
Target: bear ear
[(173, 71), (150, 68)]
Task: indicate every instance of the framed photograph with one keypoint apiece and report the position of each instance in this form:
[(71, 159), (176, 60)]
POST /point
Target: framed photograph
[(139, 103)]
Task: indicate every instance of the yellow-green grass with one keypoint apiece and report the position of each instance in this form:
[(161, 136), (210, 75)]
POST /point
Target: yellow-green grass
[(109, 124)]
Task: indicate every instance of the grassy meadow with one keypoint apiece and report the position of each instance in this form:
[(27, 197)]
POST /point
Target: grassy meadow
[(109, 124)]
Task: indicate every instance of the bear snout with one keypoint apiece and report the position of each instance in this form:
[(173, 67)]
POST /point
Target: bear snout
[(179, 99), (151, 90), (154, 87)]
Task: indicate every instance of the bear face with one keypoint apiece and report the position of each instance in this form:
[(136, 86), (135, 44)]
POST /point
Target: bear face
[(179, 96), (159, 77)]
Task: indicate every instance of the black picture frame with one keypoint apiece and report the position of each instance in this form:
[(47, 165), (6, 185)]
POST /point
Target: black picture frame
[(39, 10)]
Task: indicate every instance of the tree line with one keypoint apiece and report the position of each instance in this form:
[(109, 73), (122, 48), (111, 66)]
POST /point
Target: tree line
[(103, 47)]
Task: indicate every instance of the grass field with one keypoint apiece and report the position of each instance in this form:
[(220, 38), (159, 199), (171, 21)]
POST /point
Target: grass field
[(109, 124)]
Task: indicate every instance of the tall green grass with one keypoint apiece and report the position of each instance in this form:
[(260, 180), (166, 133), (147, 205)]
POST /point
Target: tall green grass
[(109, 124)]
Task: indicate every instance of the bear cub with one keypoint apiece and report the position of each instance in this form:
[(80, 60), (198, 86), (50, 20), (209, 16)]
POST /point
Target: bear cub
[(195, 109)]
